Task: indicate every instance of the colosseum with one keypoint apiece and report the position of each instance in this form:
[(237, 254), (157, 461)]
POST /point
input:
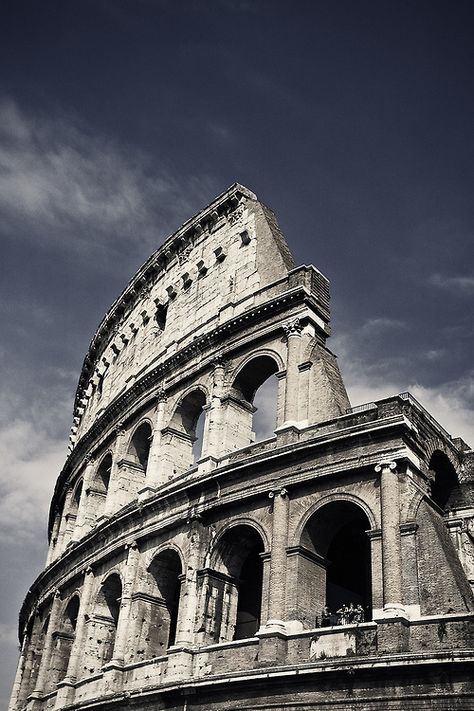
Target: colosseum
[(193, 566)]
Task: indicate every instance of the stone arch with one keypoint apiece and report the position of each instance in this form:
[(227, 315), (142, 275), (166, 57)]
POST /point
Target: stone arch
[(434, 444), (64, 639), (165, 571), (98, 488), (444, 479), (184, 434), (253, 399), (328, 499), (235, 581), (414, 505), (106, 616), (101, 478), (241, 521), (332, 565), (138, 450)]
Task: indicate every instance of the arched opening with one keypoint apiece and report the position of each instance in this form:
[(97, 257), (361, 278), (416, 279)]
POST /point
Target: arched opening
[(97, 493), (445, 483), (165, 571), (64, 639), (185, 433), (102, 476), (334, 566), (107, 610), (76, 498), (139, 447), (237, 595), (254, 394)]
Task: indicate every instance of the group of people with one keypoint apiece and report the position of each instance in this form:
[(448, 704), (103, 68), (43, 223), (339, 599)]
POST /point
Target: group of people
[(346, 615)]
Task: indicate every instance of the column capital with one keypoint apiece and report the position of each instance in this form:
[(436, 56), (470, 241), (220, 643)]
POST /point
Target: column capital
[(161, 395), (89, 458), (218, 362), (119, 429), (278, 492), (293, 327), (385, 466), (133, 545)]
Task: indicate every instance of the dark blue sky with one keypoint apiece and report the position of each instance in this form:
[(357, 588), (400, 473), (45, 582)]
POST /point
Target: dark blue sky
[(120, 119)]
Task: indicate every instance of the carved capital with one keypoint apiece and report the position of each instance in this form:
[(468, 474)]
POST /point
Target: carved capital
[(161, 395), (89, 458), (119, 429), (386, 466), (293, 328), (278, 492)]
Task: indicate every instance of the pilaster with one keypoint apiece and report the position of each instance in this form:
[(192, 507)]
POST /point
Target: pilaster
[(391, 543), (65, 693), (34, 700)]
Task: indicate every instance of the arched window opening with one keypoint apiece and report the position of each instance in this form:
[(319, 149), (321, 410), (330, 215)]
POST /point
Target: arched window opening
[(238, 594), (102, 477), (256, 389), (335, 560), (107, 612), (64, 639), (186, 430), (76, 498), (139, 448), (445, 484), (166, 571)]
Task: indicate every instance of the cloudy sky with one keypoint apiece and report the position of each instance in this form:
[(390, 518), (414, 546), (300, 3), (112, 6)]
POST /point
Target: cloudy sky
[(119, 119)]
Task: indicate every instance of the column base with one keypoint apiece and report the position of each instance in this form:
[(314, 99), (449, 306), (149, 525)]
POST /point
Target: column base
[(273, 626), (272, 648), (180, 663), (112, 679), (66, 692), (393, 635)]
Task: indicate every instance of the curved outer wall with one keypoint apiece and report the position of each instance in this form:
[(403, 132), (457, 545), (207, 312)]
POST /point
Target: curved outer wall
[(189, 565)]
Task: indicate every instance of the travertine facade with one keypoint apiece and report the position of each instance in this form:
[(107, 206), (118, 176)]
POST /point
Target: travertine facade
[(185, 579)]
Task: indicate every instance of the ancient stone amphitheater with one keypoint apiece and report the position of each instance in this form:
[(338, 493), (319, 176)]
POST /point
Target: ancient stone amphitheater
[(192, 566)]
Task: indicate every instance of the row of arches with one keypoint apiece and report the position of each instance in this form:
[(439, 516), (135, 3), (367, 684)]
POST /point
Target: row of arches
[(250, 415), (333, 568)]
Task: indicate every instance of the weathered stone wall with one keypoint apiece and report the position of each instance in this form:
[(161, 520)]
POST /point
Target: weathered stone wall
[(178, 577)]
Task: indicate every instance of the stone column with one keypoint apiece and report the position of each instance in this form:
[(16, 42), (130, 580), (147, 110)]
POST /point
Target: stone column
[(213, 438), (189, 591), (65, 525), (66, 686), (114, 498), (47, 649), (121, 635), (293, 331), (277, 591), (53, 545), (391, 541), (81, 511), (154, 471)]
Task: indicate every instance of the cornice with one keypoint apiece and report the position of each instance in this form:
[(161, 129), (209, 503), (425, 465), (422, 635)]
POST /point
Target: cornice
[(174, 497), (205, 343)]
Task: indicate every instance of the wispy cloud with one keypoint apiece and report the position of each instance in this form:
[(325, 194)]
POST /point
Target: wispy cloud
[(32, 452), (61, 182), (377, 325), (451, 403), (463, 285)]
